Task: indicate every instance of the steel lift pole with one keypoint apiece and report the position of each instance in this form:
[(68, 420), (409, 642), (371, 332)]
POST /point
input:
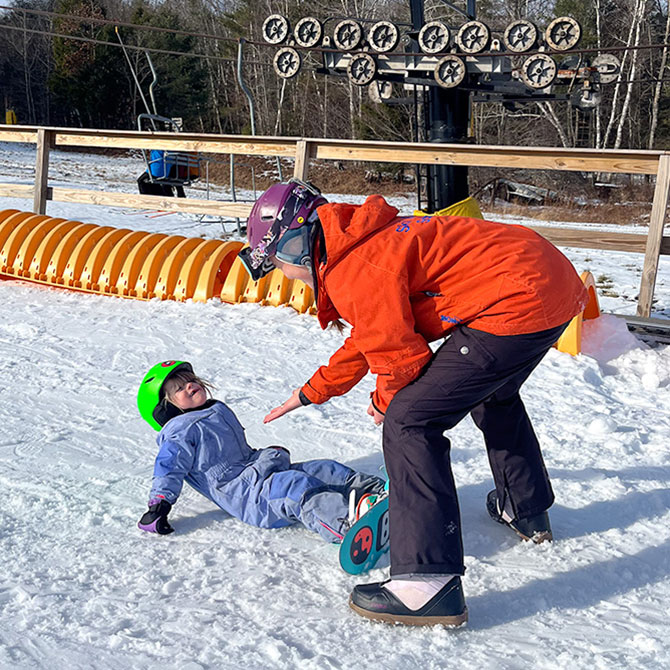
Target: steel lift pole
[(447, 120)]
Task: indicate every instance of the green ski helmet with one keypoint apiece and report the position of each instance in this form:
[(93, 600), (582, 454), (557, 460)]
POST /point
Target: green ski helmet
[(150, 393)]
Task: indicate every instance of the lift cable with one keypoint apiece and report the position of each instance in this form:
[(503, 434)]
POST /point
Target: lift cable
[(125, 24), (547, 51), (128, 46), (218, 58)]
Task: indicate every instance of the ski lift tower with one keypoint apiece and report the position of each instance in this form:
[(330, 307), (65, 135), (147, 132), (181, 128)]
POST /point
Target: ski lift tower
[(447, 120), (451, 67)]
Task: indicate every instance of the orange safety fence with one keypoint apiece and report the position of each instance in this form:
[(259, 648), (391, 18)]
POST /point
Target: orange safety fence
[(134, 264)]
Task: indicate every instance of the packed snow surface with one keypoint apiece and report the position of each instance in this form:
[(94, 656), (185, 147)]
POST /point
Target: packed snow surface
[(82, 587)]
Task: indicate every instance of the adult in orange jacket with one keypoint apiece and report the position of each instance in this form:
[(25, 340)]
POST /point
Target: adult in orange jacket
[(500, 294)]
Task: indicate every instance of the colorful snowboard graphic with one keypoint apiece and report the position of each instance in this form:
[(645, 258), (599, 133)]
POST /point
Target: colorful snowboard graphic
[(367, 540)]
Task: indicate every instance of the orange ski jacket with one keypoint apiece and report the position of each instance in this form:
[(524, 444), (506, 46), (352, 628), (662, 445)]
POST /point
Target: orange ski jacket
[(402, 282)]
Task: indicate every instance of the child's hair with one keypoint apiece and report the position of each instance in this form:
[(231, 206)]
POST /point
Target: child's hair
[(179, 379)]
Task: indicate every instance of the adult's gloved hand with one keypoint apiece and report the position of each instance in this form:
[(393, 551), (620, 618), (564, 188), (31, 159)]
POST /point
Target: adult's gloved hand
[(155, 519)]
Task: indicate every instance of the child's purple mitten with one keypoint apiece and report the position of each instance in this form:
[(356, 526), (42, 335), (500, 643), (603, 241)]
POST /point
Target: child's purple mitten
[(155, 520)]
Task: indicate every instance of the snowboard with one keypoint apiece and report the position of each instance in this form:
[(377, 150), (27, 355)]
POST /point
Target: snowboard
[(367, 540)]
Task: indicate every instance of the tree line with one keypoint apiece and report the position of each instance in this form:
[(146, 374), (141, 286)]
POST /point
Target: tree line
[(49, 78)]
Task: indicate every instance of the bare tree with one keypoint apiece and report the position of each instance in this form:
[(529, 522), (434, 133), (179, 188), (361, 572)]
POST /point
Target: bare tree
[(659, 83)]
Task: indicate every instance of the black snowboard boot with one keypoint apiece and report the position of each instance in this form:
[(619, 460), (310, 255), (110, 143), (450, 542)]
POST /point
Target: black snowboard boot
[(446, 607), (535, 528)]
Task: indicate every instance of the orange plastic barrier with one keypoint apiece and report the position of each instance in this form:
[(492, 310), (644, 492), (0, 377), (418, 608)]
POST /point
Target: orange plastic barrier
[(274, 289), (570, 342), (113, 261), (135, 264)]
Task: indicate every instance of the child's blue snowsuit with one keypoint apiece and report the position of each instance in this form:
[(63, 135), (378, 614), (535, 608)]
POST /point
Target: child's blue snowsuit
[(207, 449)]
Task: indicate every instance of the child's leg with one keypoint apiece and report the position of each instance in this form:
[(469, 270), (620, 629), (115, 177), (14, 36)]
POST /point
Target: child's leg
[(363, 483), (296, 496), (333, 473)]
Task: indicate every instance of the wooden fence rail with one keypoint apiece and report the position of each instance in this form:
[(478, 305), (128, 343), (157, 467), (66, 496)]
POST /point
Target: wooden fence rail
[(302, 150)]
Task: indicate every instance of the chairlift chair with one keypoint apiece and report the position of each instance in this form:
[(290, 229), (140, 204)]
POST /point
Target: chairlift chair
[(167, 172)]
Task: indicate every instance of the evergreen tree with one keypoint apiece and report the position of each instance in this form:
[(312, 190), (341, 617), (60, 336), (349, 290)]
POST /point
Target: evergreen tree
[(180, 89), (87, 79)]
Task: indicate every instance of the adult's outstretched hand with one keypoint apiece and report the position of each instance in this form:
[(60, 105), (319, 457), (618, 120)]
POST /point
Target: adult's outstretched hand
[(287, 406)]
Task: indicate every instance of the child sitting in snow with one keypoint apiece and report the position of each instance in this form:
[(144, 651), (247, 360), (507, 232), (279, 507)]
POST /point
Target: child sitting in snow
[(202, 442)]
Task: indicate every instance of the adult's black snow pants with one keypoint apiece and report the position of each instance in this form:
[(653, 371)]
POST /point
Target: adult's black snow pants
[(474, 372)]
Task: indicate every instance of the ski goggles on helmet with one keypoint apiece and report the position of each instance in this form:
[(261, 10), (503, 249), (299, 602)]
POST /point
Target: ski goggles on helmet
[(294, 245), (288, 237)]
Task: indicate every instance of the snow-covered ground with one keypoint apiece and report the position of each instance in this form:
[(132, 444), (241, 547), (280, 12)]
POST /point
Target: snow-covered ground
[(81, 587)]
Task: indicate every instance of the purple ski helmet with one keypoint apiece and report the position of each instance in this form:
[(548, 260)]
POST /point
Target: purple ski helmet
[(280, 224)]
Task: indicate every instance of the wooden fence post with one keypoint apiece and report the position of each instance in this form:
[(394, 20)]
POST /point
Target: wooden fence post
[(654, 237), (302, 151), (44, 141)]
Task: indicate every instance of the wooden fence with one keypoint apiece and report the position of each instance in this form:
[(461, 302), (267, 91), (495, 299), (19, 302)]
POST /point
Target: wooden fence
[(302, 150)]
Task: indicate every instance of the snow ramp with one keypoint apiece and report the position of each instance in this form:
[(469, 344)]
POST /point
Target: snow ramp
[(134, 264)]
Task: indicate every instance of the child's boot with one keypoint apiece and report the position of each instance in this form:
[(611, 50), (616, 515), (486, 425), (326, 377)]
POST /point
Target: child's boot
[(361, 504)]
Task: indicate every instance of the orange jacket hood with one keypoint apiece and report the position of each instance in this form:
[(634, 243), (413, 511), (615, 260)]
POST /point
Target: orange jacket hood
[(346, 226)]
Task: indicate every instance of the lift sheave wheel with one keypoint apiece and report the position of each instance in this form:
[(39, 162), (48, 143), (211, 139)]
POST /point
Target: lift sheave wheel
[(347, 35), (608, 67), (379, 91), (519, 62), (434, 37), (473, 37), (287, 62), (308, 32), (275, 29), (585, 97), (538, 71), (449, 71), (563, 33), (520, 36), (383, 37), (362, 69)]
